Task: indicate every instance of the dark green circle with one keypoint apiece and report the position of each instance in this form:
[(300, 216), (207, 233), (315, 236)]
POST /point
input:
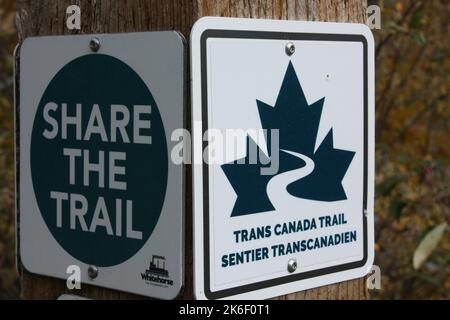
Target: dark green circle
[(103, 80)]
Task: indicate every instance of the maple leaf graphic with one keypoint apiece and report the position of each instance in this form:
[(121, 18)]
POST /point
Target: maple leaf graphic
[(297, 123)]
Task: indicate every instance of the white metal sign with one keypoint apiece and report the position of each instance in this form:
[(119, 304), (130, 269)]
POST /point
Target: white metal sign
[(98, 191), (283, 151)]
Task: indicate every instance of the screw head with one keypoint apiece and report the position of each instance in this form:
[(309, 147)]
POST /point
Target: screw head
[(94, 44), (290, 48), (92, 272), (292, 265)]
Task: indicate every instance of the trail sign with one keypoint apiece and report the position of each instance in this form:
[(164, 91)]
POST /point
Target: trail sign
[(97, 187), (283, 142)]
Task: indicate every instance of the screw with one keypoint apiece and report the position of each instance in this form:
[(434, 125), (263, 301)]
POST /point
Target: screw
[(290, 48), (92, 272), (292, 265), (94, 44), (366, 213)]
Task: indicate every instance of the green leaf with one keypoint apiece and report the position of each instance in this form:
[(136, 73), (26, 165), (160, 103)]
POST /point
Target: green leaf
[(386, 186), (419, 38), (403, 157), (384, 147), (396, 28), (428, 244), (396, 207), (416, 20), (431, 280)]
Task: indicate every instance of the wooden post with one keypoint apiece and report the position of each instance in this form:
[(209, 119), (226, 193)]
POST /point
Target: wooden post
[(48, 17)]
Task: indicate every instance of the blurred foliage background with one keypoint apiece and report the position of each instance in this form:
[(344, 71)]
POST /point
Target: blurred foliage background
[(412, 150), (9, 282)]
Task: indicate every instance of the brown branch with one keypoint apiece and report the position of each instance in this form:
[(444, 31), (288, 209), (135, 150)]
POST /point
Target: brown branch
[(403, 18), (380, 100), (428, 135), (429, 108), (385, 111)]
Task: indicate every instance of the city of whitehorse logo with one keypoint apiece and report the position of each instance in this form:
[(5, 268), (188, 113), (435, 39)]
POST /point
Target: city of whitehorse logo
[(157, 272), (303, 171), (158, 266)]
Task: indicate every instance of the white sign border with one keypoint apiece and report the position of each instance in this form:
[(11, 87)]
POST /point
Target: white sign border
[(199, 235)]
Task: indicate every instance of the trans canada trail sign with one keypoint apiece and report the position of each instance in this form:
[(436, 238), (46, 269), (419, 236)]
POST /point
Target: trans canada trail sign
[(283, 152), (97, 187)]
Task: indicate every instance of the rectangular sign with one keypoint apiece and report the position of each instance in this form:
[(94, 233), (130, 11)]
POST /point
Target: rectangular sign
[(101, 201), (283, 151)]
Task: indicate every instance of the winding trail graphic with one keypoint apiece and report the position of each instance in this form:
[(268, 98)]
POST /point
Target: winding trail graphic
[(281, 181)]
